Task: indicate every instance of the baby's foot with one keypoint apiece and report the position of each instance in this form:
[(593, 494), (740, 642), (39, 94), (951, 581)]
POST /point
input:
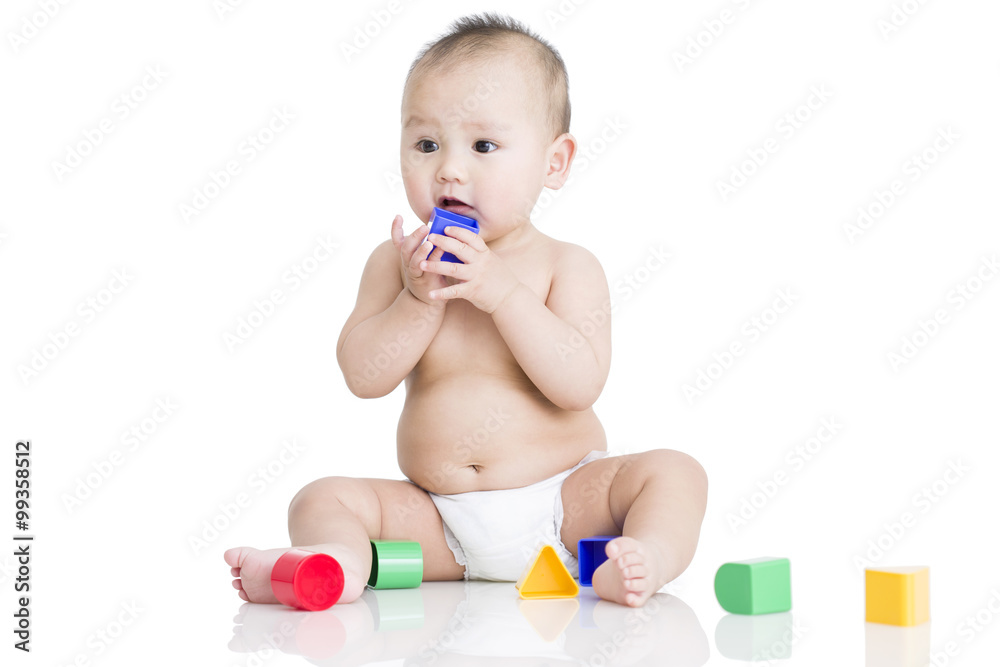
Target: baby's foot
[(632, 572), (252, 571)]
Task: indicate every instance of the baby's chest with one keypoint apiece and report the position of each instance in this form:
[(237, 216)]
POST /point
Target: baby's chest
[(468, 336)]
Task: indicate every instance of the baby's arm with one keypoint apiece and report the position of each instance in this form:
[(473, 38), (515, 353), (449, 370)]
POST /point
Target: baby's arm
[(564, 344), (386, 315)]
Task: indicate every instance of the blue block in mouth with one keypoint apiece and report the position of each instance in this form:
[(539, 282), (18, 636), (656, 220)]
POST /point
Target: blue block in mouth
[(440, 219)]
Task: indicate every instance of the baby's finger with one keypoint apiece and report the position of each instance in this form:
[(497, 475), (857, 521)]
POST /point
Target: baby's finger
[(412, 242), (436, 254), (468, 237), (445, 293), (458, 248), (396, 232), (428, 250), (448, 269), (423, 252)]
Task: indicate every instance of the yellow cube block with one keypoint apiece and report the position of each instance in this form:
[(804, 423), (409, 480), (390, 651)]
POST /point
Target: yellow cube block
[(897, 595)]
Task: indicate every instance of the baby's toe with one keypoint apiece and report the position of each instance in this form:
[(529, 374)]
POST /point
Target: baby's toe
[(615, 548), (631, 558), (232, 556), (634, 585), (622, 546)]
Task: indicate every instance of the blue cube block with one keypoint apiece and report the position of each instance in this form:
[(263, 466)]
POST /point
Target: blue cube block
[(590, 554), (440, 219)]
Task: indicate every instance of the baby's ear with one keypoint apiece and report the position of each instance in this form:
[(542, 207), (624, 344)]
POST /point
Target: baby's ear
[(560, 156)]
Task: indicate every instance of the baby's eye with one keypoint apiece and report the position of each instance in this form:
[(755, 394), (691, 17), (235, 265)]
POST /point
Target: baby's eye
[(484, 146), (426, 146)]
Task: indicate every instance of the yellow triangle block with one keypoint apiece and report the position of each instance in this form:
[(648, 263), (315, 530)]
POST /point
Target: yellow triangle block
[(546, 577)]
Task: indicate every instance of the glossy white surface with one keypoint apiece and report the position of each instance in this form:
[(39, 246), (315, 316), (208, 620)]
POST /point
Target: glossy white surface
[(453, 623)]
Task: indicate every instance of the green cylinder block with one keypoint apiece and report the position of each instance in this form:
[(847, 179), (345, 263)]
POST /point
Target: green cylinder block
[(396, 564), (758, 586)]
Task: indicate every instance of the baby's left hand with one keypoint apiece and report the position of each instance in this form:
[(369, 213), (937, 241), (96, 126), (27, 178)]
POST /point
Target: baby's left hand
[(486, 280)]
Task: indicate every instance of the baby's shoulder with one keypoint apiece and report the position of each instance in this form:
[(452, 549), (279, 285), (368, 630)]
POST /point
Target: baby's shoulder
[(382, 276), (384, 261), (567, 259)]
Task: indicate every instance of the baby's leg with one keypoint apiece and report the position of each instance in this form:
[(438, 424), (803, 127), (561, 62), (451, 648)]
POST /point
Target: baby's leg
[(338, 516), (655, 500)]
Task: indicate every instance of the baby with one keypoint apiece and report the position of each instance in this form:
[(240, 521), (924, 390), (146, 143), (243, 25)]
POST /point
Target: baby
[(503, 355)]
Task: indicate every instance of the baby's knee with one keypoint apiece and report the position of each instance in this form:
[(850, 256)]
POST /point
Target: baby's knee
[(321, 495), (674, 464)]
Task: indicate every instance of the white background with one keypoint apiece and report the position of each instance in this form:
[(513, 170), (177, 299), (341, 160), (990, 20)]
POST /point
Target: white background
[(672, 132)]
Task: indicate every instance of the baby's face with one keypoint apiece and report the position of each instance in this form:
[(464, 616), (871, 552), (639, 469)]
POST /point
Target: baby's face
[(477, 135)]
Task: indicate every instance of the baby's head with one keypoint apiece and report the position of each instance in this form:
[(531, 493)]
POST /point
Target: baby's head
[(485, 121)]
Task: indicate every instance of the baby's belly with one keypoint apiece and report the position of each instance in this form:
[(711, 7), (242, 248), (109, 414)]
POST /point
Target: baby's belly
[(476, 431)]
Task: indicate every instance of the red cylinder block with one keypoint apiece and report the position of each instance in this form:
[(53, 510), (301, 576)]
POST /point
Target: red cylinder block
[(307, 580)]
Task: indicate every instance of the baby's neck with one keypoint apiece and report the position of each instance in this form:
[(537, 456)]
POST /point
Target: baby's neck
[(514, 238)]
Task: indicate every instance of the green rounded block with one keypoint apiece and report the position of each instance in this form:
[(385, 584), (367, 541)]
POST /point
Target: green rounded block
[(396, 564), (757, 586)]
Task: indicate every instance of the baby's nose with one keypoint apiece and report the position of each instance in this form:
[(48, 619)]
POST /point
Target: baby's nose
[(452, 168)]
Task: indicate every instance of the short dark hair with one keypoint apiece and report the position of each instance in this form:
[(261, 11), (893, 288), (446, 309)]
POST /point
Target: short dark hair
[(479, 35)]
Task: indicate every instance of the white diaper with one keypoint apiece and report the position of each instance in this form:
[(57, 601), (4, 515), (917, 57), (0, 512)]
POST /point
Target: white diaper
[(495, 533)]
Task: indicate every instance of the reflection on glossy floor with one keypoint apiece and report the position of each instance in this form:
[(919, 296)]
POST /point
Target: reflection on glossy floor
[(477, 623), (486, 623)]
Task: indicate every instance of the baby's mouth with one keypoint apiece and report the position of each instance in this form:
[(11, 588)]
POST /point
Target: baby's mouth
[(453, 205)]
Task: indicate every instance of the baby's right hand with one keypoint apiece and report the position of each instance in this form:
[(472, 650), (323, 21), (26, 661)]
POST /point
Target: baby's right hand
[(412, 251)]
